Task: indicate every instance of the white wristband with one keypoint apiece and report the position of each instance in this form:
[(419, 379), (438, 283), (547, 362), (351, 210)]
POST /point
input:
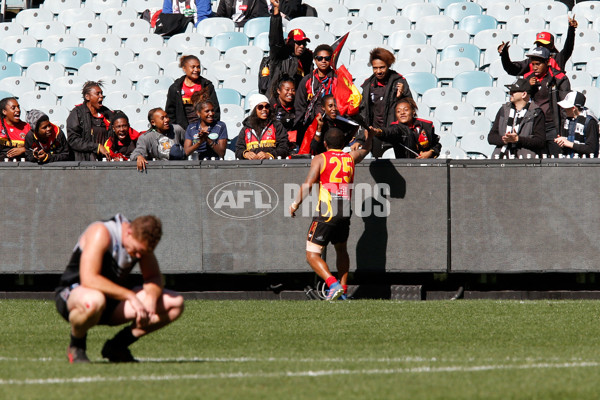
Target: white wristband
[(317, 133)]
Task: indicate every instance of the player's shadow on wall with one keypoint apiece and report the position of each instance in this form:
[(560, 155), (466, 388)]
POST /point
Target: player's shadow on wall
[(371, 247)]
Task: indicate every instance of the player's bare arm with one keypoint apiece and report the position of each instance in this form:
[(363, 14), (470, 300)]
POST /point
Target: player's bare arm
[(359, 154), (311, 179), (153, 281)]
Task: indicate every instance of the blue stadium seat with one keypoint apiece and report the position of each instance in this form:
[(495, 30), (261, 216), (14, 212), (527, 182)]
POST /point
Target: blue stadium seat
[(256, 26), (99, 5), (182, 41), (29, 55), (400, 39), (505, 10), (159, 55), (119, 100), (477, 123), (225, 41), (421, 82), (71, 16), (136, 70), (228, 96), (476, 143), (36, 99), (11, 29), (117, 83), (440, 95), (58, 6), (45, 72), (84, 29), (150, 84), (67, 84), (480, 97), (10, 44), (140, 43), (466, 50), (92, 70), (430, 24), (445, 38), (210, 27), (157, 99), (340, 26), (40, 30), (329, 12), (415, 64), (421, 50), (466, 81), (374, 13), (392, 23), (491, 38), (119, 56), (17, 85), (113, 16), (3, 56), (262, 41), (54, 43), (73, 57), (522, 23), (242, 83), (33, 16), (477, 23), (9, 68), (224, 68), (457, 11), (416, 11), (127, 28)]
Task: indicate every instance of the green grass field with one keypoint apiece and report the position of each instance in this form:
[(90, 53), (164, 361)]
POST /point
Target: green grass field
[(318, 350)]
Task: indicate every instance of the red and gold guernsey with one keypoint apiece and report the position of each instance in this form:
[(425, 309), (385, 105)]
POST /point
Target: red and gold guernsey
[(335, 186)]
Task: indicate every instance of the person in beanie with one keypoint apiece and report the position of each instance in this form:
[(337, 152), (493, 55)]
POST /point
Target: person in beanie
[(557, 60), (45, 142), (286, 57), (518, 129), (94, 290), (262, 136), (579, 133)]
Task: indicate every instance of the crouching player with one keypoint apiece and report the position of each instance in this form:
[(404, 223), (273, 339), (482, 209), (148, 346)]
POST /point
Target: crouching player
[(92, 290), (334, 170)]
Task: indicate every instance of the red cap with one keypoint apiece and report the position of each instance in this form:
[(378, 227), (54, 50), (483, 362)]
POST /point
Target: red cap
[(544, 38), (297, 35)]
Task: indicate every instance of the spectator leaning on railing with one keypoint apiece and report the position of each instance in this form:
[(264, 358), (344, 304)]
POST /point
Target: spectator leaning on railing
[(13, 130), (45, 142)]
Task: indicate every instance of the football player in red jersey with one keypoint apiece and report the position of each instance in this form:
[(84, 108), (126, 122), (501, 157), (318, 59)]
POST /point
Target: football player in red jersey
[(334, 171)]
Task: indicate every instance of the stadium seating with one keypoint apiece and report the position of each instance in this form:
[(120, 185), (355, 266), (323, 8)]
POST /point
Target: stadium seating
[(127, 28), (210, 27), (439, 95), (73, 57), (242, 83), (491, 38), (477, 23), (92, 70), (340, 26), (304, 23), (466, 81), (66, 84), (33, 16), (430, 24), (227, 40), (331, 12), (457, 11), (29, 55), (416, 11), (71, 16), (118, 83), (182, 41), (59, 6), (10, 44), (224, 68), (476, 142), (17, 84), (54, 43), (591, 9), (141, 5), (421, 82), (485, 95), (373, 13), (159, 55), (136, 70), (445, 38), (119, 100), (505, 10), (417, 64), (11, 29), (149, 84), (228, 96), (521, 23), (9, 68), (463, 125), (119, 57), (45, 72), (102, 42), (141, 42), (390, 24), (256, 26), (115, 15), (84, 29), (450, 67), (36, 99)]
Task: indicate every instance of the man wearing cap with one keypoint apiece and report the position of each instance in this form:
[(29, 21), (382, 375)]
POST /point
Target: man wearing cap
[(579, 133), (518, 129), (558, 59), (549, 86), (290, 57)]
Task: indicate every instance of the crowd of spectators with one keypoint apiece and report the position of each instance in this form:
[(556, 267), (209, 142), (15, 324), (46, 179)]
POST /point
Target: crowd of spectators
[(300, 99)]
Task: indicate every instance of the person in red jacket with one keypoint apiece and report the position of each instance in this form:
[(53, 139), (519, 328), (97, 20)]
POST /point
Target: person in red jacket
[(12, 129), (45, 142)]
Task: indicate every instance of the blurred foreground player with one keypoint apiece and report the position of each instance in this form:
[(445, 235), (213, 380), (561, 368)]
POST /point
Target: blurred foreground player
[(334, 171), (92, 290)]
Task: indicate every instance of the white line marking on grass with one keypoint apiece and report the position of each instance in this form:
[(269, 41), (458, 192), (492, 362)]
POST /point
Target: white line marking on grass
[(293, 374)]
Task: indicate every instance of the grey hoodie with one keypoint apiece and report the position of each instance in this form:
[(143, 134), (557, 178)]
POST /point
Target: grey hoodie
[(153, 144)]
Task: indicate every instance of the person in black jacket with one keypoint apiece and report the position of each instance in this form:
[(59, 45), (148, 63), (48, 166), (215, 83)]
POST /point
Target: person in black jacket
[(88, 125), (518, 129), (579, 134), (290, 57), (45, 142), (283, 108), (261, 137), (331, 119), (558, 59), (180, 107), (380, 92)]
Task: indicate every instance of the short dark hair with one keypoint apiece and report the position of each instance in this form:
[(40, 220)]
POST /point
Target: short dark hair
[(334, 138), (152, 112), (148, 229), (118, 115), (379, 53), (410, 101), (198, 106), (323, 47), (327, 97)]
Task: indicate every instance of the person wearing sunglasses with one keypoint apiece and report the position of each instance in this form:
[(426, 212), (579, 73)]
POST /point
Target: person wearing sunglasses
[(286, 57), (321, 82), (380, 92), (262, 136)]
